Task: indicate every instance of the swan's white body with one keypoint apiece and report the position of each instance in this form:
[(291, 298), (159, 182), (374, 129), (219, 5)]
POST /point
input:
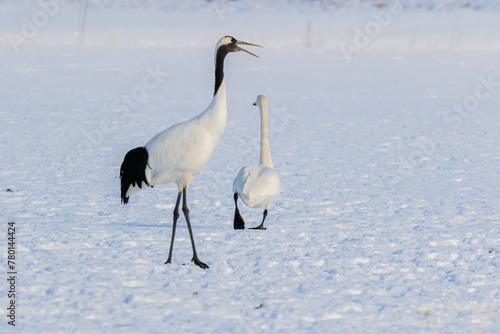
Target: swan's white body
[(258, 186)]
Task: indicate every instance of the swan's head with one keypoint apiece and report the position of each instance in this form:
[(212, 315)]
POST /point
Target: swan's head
[(230, 44), (261, 102)]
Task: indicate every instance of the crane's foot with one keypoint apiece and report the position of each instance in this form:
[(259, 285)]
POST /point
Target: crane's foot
[(169, 260), (199, 263), (260, 227)]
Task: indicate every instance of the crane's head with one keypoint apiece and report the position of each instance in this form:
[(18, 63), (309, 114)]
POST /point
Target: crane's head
[(229, 44)]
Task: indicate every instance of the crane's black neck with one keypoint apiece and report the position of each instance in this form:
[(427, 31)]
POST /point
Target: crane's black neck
[(219, 67)]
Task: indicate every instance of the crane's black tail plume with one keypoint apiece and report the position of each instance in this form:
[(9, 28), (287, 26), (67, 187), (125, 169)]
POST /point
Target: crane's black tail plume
[(133, 171)]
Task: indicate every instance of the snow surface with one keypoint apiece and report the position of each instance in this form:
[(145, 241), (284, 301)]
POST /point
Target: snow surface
[(388, 221)]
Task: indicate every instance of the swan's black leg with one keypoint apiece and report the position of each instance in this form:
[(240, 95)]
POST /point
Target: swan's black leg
[(185, 210), (261, 226), (176, 216), (239, 223)]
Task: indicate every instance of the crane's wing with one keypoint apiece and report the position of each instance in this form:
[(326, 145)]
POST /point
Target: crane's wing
[(183, 147)]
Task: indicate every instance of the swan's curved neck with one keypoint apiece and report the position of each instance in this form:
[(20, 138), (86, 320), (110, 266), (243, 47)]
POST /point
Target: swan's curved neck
[(265, 153)]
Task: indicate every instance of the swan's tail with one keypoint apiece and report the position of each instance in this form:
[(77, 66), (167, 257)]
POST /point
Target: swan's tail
[(133, 172)]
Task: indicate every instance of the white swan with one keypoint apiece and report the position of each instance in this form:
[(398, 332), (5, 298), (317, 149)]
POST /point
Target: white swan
[(180, 152), (258, 186)]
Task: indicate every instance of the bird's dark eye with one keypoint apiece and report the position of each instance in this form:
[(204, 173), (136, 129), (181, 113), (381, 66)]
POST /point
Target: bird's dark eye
[(233, 40)]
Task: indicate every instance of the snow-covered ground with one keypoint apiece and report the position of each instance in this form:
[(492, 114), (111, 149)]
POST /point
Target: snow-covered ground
[(389, 159)]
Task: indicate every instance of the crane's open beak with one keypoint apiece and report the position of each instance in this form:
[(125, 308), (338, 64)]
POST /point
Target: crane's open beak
[(245, 43)]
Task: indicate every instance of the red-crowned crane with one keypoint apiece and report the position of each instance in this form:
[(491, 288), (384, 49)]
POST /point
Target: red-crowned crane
[(180, 152), (257, 186)]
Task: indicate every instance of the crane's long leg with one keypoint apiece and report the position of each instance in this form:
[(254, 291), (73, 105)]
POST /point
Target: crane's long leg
[(185, 209), (261, 226), (239, 223), (176, 216)]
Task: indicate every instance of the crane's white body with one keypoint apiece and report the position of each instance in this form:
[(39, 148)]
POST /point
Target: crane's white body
[(258, 186), (180, 152)]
